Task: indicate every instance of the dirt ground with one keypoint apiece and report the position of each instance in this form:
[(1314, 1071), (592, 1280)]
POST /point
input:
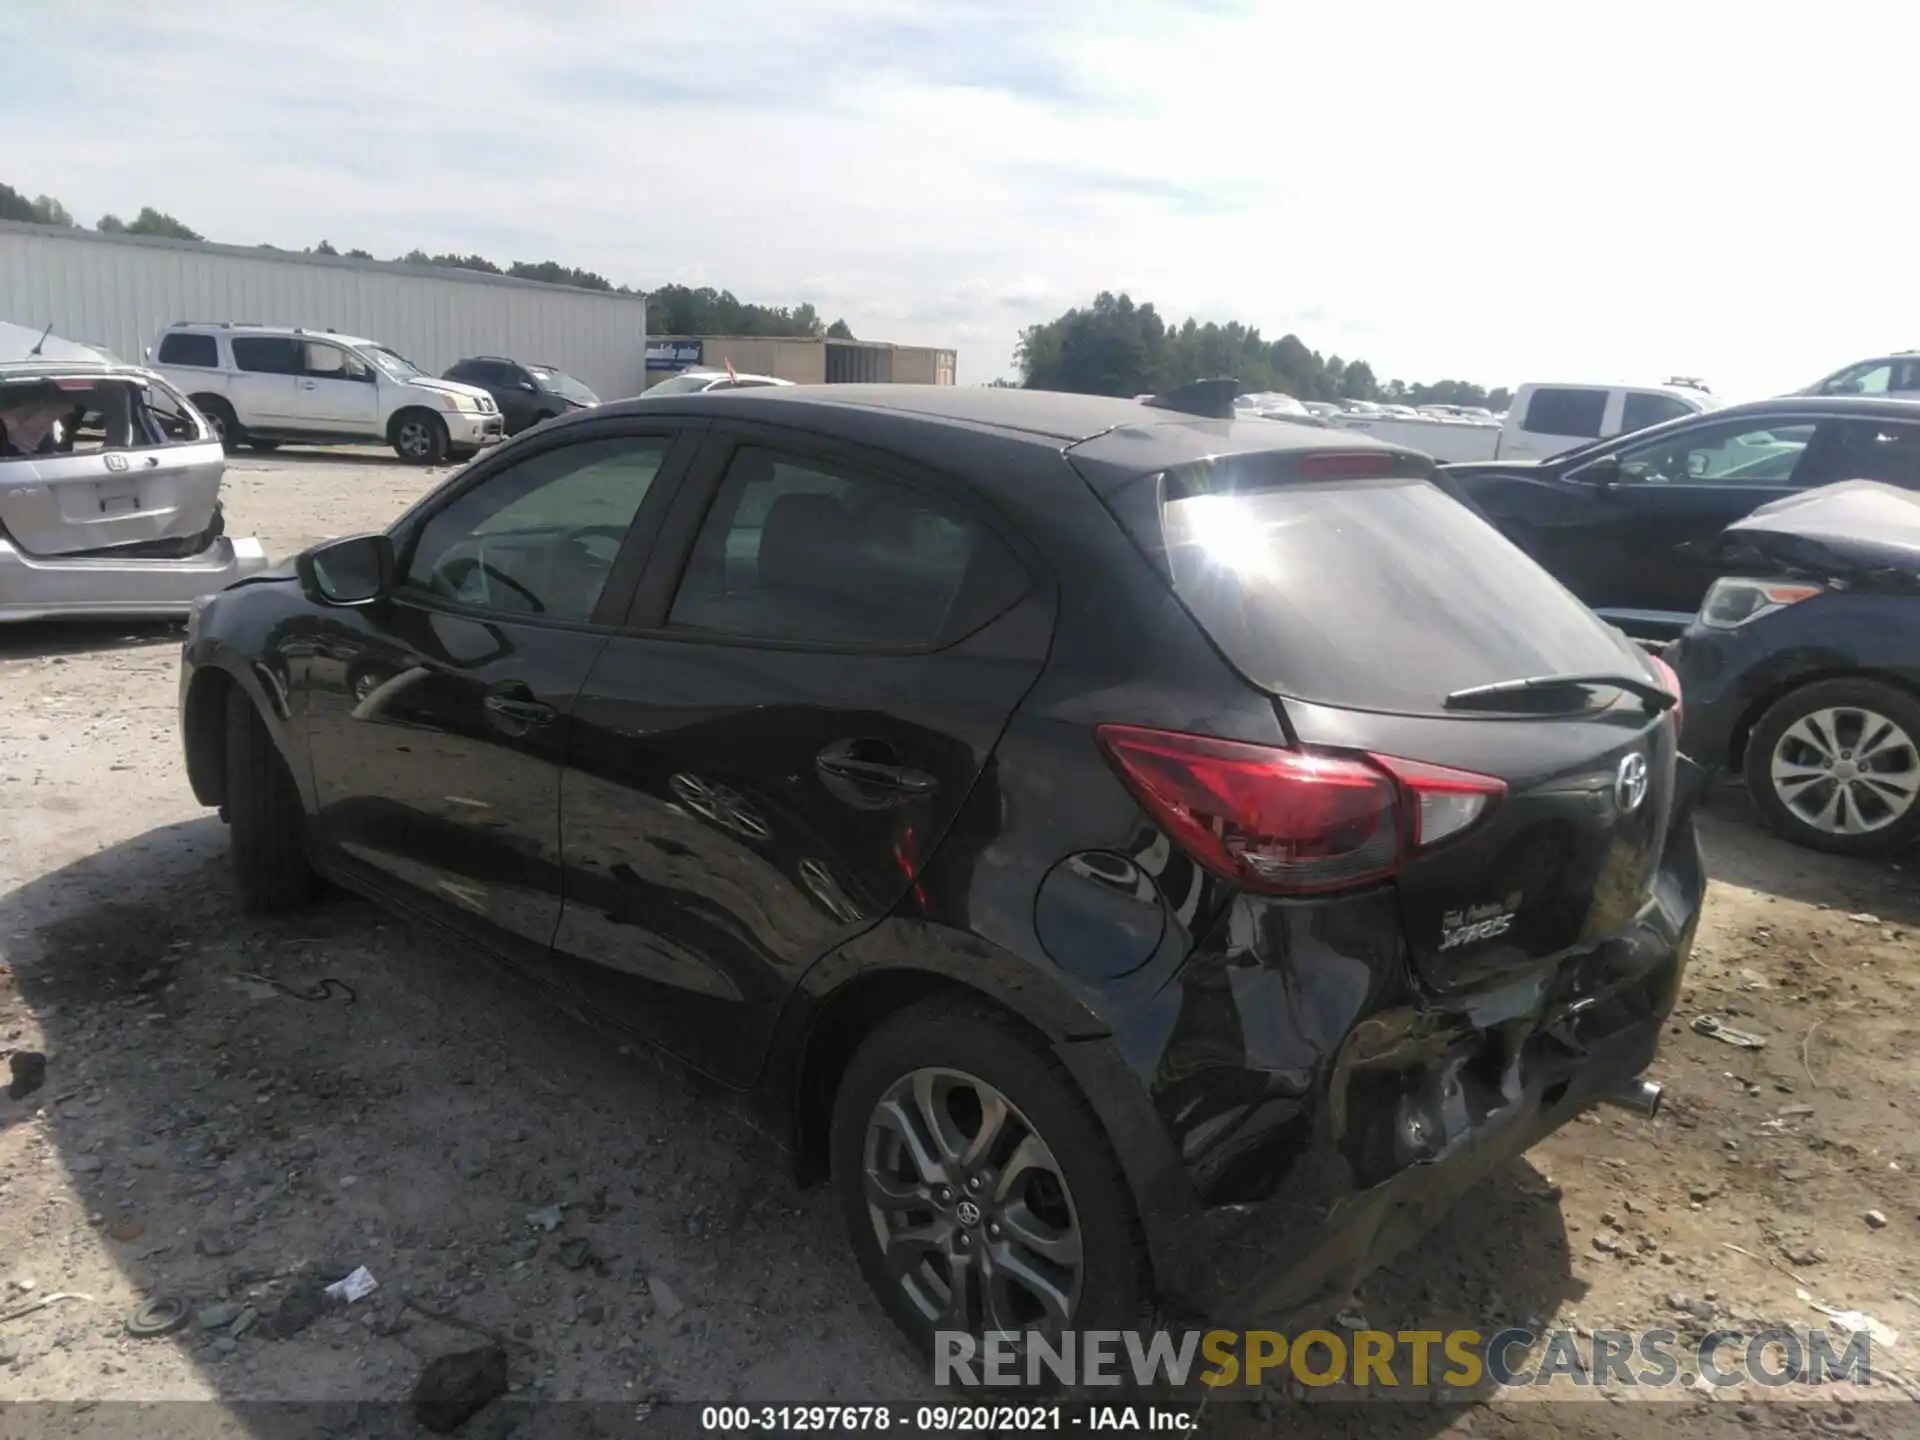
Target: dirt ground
[(219, 1140)]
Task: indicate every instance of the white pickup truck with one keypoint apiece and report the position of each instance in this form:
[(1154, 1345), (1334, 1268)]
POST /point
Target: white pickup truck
[(1544, 420)]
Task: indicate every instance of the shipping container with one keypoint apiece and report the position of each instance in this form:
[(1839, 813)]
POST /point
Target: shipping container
[(118, 291)]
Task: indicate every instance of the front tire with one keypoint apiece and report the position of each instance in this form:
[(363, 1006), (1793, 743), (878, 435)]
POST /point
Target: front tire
[(420, 437), (267, 824), (1835, 766), (978, 1190)]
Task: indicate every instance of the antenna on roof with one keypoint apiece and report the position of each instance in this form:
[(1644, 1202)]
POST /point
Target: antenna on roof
[(41, 341), (1209, 399)]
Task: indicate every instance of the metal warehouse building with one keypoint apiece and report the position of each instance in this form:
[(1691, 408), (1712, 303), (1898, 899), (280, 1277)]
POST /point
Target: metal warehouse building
[(803, 361), (119, 290)]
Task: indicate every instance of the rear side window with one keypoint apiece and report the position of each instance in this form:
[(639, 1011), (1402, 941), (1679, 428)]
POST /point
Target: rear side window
[(197, 350), (802, 550), (1643, 409), (267, 354), (1554, 411), (1374, 594)]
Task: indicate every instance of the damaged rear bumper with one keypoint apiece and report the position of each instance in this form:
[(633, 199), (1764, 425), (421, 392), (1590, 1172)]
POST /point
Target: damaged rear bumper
[(106, 586), (1349, 1113)]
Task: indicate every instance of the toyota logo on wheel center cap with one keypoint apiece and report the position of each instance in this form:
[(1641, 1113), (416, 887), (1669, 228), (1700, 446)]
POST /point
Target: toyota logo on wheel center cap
[(968, 1213), (1630, 784)]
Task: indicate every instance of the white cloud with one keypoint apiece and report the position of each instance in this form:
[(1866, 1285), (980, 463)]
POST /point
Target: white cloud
[(1489, 189)]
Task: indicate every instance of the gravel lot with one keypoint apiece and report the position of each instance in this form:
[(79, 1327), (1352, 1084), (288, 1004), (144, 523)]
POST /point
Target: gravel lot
[(205, 1137)]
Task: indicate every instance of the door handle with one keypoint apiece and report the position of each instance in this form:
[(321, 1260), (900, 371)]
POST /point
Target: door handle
[(520, 710), (308, 384), (845, 760)]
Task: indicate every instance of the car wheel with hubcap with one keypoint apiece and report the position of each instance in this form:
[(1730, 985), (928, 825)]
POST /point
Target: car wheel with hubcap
[(1836, 766), (979, 1192), (420, 438)]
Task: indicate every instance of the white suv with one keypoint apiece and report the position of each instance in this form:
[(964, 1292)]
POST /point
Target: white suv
[(262, 385)]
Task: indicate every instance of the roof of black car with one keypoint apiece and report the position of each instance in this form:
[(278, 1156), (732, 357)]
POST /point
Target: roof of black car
[(1128, 432), (1865, 405)]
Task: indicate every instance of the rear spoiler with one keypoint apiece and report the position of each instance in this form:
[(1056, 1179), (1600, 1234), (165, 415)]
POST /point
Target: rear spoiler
[(1209, 399)]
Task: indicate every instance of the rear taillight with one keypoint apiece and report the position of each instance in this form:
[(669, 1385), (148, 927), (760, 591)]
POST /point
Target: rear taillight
[(1293, 821), (1671, 679)]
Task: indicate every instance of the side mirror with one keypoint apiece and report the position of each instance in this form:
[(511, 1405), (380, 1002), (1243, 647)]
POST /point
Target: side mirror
[(529, 387), (1603, 473), (355, 571)]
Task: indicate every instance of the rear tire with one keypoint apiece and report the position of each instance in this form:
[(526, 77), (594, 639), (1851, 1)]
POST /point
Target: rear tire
[(267, 824), (226, 426), (420, 437), (1835, 766), (1046, 1199)]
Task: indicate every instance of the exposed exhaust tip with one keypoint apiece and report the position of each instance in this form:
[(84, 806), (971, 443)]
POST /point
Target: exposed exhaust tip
[(1642, 1097)]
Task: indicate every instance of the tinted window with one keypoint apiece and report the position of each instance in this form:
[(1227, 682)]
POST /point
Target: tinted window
[(796, 550), (1642, 409), (539, 538), (267, 354), (1862, 450), (1734, 454), (1566, 412), (1379, 594), (198, 350)]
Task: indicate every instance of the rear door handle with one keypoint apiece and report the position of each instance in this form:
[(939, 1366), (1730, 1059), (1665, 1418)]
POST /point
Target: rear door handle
[(843, 761)]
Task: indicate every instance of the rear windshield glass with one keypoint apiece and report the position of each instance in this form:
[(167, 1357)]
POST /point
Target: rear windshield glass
[(1374, 594)]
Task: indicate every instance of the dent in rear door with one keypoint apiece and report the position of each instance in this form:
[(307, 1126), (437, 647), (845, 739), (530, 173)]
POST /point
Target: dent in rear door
[(767, 771)]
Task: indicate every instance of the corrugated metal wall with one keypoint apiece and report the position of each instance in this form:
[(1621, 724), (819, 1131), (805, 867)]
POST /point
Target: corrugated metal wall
[(117, 291)]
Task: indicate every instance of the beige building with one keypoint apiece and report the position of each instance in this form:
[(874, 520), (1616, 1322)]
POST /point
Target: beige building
[(805, 362)]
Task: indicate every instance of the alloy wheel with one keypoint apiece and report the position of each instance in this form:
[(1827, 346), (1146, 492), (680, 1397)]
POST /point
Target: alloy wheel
[(414, 439), (970, 1208), (1846, 770)]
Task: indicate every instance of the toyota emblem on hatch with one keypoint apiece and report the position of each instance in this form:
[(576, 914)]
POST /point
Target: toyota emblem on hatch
[(1630, 784)]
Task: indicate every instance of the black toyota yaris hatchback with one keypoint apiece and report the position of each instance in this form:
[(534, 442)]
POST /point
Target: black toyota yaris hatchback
[(1138, 857)]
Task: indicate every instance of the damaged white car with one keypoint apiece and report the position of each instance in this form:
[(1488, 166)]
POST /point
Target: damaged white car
[(109, 493)]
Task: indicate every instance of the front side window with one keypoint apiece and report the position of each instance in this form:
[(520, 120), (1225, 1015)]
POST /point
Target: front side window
[(1643, 408), (1560, 411), (330, 362), (1883, 450), (396, 365), (1747, 454), (267, 354), (539, 538), (801, 550), (1873, 378)]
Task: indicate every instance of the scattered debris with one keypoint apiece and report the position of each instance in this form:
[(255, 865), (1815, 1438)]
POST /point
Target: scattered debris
[(356, 1286), (29, 1073), (576, 1253), (297, 1309), (214, 1241), (453, 1388), (42, 1303), (1856, 1321), (86, 1164), (1863, 918), (1876, 1219), (664, 1300), (547, 1218), (217, 1316), (1714, 1028), (126, 1231), (161, 1315), (261, 987)]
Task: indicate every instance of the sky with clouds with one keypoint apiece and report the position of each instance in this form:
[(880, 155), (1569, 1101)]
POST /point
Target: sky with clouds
[(1492, 190)]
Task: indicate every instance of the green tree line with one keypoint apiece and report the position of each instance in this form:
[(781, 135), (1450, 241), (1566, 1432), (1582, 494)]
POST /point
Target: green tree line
[(672, 309), (1115, 347)]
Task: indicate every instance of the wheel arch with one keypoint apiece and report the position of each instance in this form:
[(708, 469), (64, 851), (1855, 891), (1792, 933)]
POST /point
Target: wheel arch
[(395, 420), (203, 724), (1743, 728), (899, 963)]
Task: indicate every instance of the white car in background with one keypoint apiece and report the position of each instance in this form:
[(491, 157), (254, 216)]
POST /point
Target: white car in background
[(697, 382), (265, 385), (1896, 375)]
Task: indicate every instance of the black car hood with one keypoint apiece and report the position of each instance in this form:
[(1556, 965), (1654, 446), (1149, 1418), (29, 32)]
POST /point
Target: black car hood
[(1857, 527)]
